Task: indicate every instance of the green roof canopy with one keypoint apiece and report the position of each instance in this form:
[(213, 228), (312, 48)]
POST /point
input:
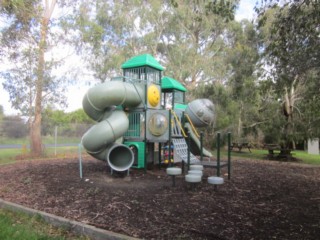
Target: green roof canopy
[(170, 83), (142, 60)]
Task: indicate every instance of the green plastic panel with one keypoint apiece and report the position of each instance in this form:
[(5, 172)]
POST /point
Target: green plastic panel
[(142, 60), (180, 106), (168, 83), (139, 153)]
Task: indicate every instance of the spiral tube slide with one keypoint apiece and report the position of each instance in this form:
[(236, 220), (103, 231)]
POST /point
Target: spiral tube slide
[(99, 104)]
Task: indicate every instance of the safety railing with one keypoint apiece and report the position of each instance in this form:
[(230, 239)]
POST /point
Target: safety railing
[(192, 126), (177, 125)]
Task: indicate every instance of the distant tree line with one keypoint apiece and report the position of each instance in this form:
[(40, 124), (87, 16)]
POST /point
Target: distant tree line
[(70, 124), (263, 75)]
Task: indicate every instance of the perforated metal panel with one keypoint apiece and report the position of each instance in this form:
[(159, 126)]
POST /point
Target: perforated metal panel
[(181, 149)]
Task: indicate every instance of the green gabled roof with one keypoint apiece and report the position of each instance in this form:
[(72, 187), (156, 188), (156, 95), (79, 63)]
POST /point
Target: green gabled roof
[(142, 60), (170, 83)]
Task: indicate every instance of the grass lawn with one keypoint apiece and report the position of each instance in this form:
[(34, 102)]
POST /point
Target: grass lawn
[(19, 226), (261, 154), (10, 155), (13, 155)]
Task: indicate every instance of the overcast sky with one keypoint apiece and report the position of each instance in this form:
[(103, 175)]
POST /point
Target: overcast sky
[(76, 93)]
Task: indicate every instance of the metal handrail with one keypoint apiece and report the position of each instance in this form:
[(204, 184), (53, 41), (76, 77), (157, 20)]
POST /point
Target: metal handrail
[(179, 123), (192, 126)]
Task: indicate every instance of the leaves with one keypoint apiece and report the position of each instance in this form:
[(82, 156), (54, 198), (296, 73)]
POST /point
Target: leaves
[(291, 42)]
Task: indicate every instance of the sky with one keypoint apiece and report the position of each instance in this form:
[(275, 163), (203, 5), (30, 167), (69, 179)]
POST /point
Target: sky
[(77, 91)]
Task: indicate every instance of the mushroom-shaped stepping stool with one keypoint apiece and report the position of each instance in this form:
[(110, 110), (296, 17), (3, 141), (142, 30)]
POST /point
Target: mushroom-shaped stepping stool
[(174, 171), (195, 172), (196, 167), (215, 181), (193, 179)]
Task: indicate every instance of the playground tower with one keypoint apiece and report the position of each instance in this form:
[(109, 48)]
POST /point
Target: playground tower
[(138, 112)]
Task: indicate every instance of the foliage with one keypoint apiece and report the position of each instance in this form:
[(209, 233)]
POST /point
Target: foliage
[(1, 112), (184, 35), (260, 154), (27, 37), (13, 127), (291, 41), (73, 124)]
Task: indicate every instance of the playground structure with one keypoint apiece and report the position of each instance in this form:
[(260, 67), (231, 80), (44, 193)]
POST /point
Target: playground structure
[(141, 112)]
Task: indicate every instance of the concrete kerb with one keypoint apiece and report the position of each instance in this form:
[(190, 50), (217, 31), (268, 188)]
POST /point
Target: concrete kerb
[(73, 226)]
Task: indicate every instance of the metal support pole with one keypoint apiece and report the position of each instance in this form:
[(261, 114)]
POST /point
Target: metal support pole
[(159, 155), (183, 166), (173, 181), (55, 140), (145, 156), (229, 155), (188, 138), (80, 159), (170, 140), (218, 154), (201, 146)]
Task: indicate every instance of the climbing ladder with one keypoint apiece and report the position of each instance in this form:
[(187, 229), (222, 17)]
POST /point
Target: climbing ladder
[(178, 140), (181, 149)]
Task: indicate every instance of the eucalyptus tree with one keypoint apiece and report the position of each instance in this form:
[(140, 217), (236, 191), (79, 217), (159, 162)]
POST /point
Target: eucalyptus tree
[(243, 57), (185, 36), (28, 35), (237, 98), (291, 42), (194, 40), (111, 32)]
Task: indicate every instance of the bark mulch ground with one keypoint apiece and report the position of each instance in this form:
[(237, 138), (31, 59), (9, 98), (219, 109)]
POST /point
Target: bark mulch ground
[(263, 199)]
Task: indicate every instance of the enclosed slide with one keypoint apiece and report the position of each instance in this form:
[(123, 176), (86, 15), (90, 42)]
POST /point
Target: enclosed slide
[(200, 113), (104, 140)]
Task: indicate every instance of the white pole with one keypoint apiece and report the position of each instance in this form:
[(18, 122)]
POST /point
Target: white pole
[(55, 140)]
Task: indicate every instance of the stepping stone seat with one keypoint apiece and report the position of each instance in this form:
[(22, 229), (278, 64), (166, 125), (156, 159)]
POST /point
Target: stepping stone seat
[(196, 167), (173, 171), (195, 172), (193, 178), (215, 180)]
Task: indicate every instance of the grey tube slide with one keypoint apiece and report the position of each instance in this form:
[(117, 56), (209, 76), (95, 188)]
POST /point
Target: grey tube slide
[(201, 113), (195, 148), (99, 104)]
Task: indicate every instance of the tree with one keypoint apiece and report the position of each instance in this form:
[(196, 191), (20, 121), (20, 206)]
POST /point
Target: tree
[(1, 112), (14, 127), (237, 98), (243, 56), (26, 40), (109, 34), (194, 40), (184, 35), (291, 44)]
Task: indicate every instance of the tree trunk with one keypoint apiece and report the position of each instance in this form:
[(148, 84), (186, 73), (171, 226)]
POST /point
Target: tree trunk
[(35, 130), (239, 127)]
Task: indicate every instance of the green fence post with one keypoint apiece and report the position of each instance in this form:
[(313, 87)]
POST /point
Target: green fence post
[(188, 137), (170, 140), (201, 146), (229, 155), (80, 159), (218, 154)]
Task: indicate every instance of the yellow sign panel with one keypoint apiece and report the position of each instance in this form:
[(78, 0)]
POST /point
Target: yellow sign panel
[(153, 95)]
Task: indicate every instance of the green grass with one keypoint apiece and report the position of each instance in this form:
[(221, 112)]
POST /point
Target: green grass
[(16, 154), (261, 154), (19, 226), (46, 140), (8, 155)]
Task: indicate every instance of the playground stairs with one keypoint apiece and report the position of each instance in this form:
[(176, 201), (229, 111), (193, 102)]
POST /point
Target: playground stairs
[(178, 140), (181, 149), (177, 128)]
